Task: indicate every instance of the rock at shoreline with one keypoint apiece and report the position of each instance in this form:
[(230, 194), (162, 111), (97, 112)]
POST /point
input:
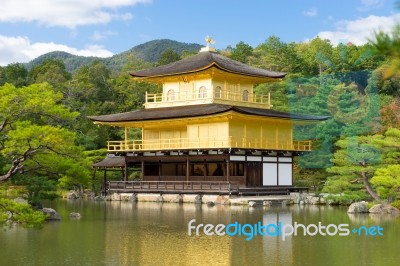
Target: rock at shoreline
[(252, 203), (210, 203), (267, 203), (75, 215), (116, 197), (72, 195), (358, 207), (384, 209), (52, 214), (198, 200)]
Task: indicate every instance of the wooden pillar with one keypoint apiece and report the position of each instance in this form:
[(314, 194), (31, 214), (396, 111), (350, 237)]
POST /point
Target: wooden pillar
[(105, 181), (126, 172), (227, 169), (142, 173), (159, 170), (187, 168)]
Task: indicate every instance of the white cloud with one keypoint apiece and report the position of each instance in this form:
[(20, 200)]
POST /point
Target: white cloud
[(312, 12), (370, 4), (360, 30), (97, 35), (20, 49), (65, 13)]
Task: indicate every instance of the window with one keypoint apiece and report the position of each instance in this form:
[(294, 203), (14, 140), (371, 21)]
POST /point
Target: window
[(218, 92), (202, 92), (171, 95), (245, 95)]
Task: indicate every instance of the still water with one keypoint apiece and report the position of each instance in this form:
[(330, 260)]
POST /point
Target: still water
[(122, 233)]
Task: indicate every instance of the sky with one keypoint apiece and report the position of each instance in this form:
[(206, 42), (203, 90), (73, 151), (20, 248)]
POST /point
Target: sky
[(30, 28)]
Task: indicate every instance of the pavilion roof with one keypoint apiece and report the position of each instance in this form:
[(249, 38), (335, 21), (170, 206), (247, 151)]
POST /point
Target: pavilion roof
[(203, 61), (196, 111), (111, 162)]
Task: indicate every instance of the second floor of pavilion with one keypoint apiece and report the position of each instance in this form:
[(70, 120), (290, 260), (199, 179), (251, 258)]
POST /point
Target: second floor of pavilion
[(205, 78)]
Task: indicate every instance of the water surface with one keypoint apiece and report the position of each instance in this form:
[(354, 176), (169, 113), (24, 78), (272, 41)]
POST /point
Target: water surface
[(123, 233)]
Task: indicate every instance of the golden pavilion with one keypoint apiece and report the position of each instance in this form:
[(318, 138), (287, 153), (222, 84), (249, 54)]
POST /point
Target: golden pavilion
[(206, 129)]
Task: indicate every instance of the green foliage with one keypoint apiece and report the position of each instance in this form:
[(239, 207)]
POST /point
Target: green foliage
[(241, 52), (374, 156), (346, 198), (51, 71), (38, 187), (168, 56), (341, 82), (387, 181), (396, 204), (22, 214), (276, 55), (34, 136), (16, 74)]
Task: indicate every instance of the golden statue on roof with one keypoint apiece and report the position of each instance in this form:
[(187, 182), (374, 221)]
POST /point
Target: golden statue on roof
[(209, 40)]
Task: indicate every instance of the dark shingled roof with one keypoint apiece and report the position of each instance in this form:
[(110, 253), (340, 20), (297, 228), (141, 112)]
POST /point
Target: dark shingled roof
[(197, 110), (110, 162), (205, 60)]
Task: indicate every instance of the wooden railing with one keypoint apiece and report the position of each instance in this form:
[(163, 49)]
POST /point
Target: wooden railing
[(177, 186), (206, 143), (225, 97)]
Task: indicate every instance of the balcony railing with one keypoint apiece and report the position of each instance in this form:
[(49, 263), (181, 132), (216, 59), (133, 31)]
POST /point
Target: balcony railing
[(224, 97), (206, 143)]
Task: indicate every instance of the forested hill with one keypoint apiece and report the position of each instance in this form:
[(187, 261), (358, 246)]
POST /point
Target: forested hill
[(149, 51)]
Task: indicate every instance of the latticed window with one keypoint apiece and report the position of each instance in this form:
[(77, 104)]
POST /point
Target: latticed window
[(171, 95), (202, 92), (245, 95), (218, 92)]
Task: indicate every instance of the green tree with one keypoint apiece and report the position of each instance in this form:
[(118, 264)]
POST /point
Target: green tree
[(241, 52), (276, 55), (366, 165), (388, 45), (51, 71), (12, 212), (34, 134), (16, 74), (316, 56), (168, 56)]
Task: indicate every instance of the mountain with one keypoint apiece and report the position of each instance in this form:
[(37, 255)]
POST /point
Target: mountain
[(149, 51)]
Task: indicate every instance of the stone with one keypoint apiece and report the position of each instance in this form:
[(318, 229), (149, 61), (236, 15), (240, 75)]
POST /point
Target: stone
[(160, 199), (75, 215), (198, 199), (177, 199), (296, 197), (222, 200), (72, 195), (52, 215), (125, 197), (210, 203), (384, 209), (99, 198), (314, 200), (115, 197), (134, 198), (267, 203), (252, 203), (358, 207)]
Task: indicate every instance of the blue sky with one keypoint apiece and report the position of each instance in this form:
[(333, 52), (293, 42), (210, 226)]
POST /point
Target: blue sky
[(29, 28)]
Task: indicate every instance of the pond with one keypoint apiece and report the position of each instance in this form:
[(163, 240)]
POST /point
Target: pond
[(124, 233)]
